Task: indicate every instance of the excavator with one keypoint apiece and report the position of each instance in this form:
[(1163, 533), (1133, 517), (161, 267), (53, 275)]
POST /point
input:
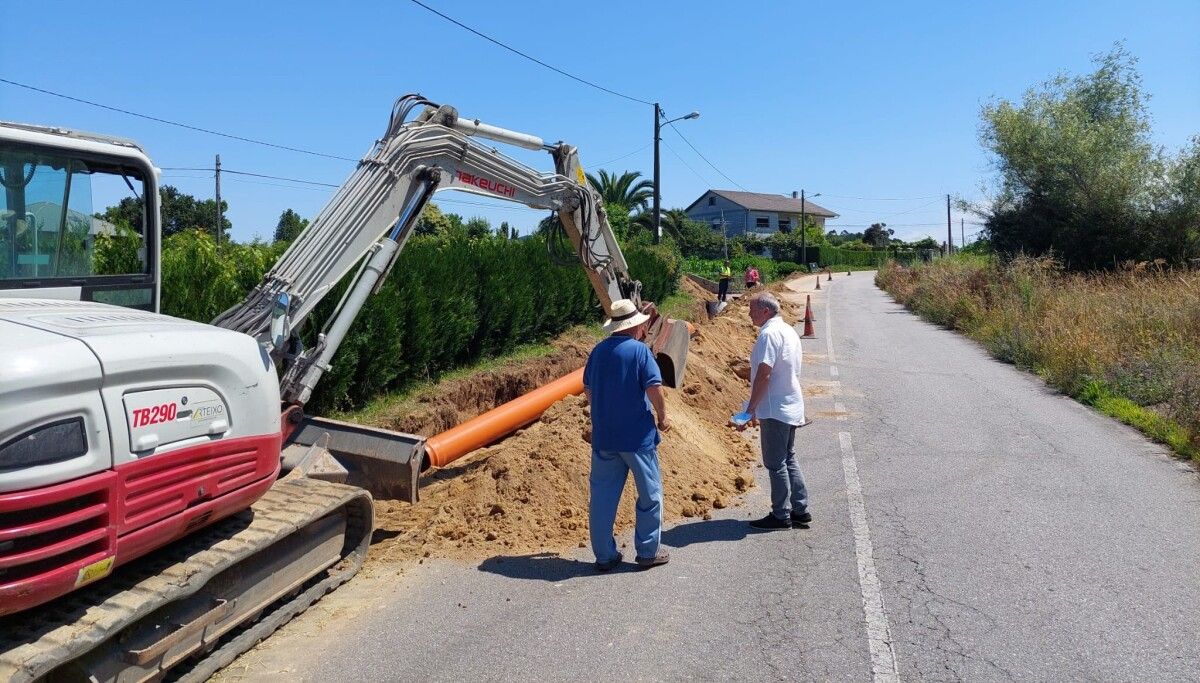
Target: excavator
[(165, 501)]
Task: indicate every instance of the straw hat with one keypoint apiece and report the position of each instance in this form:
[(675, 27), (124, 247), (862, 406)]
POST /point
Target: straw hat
[(624, 316)]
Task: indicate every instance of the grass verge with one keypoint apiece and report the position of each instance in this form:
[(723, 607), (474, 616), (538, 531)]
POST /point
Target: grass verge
[(396, 402)]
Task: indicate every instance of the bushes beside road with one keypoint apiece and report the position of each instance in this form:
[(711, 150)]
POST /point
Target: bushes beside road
[(1127, 343)]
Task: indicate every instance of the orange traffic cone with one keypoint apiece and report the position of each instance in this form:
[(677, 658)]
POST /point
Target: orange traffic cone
[(818, 282), (808, 318)]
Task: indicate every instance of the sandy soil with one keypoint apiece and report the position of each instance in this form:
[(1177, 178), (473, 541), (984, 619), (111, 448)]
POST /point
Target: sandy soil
[(529, 493)]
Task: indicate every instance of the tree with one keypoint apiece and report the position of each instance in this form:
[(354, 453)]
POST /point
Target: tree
[(673, 222), (836, 237), (878, 235), (624, 190), (433, 222), (478, 227), (289, 226), (1079, 175), (505, 231), (179, 212)]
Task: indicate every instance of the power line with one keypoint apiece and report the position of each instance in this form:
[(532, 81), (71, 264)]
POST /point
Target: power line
[(174, 123), (273, 177), (714, 167), (935, 201), (685, 163), (532, 59), (625, 156), (258, 182), (255, 175), (882, 199), (890, 225)]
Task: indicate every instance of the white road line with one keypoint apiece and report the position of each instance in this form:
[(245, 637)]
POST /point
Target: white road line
[(879, 633)]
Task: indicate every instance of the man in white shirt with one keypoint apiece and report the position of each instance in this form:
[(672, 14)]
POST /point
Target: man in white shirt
[(777, 404)]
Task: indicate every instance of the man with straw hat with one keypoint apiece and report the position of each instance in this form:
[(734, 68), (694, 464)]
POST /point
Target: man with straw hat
[(622, 382)]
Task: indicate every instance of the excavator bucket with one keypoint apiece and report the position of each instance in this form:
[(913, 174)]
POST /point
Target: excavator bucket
[(670, 347), (386, 463)]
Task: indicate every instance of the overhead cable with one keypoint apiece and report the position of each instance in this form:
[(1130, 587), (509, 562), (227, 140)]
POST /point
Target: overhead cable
[(177, 124), (714, 167), (535, 60)]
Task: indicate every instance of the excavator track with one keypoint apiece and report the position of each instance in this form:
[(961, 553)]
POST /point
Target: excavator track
[(190, 608)]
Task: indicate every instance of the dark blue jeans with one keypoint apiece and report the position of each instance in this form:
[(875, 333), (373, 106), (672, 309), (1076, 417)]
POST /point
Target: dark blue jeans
[(788, 492)]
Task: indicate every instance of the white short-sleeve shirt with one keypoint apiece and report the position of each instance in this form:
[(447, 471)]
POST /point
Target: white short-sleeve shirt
[(778, 346)]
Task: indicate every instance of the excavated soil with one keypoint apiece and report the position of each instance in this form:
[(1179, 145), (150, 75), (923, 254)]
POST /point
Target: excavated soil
[(453, 402), (529, 493)]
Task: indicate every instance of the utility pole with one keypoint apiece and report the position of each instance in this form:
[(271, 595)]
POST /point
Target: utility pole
[(724, 236), (218, 193), (803, 232), (657, 193), (658, 124), (962, 233), (949, 229)]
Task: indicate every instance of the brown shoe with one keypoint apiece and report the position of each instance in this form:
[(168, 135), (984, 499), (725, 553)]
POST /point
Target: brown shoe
[(661, 558), (609, 565)]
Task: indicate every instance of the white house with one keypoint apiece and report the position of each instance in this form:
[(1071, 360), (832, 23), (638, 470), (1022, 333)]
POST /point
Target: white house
[(755, 212)]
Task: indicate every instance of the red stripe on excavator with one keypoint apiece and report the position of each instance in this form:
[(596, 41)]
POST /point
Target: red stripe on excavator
[(49, 548)]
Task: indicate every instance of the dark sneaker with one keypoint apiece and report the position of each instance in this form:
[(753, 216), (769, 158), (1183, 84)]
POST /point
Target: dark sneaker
[(647, 562), (771, 523), (801, 517), (609, 565)]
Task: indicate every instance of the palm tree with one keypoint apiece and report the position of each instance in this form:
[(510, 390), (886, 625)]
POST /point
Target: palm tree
[(673, 222), (625, 189)]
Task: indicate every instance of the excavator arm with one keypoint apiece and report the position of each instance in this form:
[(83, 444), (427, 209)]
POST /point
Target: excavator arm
[(373, 213)]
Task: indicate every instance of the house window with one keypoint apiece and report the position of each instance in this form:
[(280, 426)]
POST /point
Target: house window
[(712, 201), (785, 224), (762, 222)]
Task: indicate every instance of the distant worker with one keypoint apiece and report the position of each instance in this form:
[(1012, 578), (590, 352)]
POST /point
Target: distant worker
[(777, 405), (723, 282), (622, 380), (751, 277)]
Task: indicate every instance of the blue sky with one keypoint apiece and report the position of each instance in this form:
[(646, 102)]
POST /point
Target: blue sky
[(861, 102)]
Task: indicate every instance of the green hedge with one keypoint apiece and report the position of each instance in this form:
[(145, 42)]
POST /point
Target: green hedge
[(768, 270), (447, 302), (833, 256)]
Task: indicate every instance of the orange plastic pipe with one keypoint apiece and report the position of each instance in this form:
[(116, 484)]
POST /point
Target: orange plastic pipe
[(500, 421)]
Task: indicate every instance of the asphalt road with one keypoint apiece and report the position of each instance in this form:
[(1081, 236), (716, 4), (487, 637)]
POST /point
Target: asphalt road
[(969, 524)]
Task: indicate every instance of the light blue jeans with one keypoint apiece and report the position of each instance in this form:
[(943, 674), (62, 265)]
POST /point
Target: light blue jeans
[(609, 469)]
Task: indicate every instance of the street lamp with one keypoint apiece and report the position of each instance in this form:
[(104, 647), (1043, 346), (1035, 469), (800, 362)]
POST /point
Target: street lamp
[(658, 124), (803, 235)]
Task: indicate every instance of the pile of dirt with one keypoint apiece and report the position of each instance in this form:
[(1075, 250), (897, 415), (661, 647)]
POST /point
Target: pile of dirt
[(529, 493)]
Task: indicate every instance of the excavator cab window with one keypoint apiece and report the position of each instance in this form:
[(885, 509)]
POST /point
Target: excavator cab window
[(53, 235)]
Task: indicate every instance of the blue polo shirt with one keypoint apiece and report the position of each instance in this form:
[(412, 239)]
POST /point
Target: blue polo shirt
[(618, 372)]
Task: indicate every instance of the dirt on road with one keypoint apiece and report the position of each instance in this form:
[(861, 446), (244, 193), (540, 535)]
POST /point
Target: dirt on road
[(529, 493)]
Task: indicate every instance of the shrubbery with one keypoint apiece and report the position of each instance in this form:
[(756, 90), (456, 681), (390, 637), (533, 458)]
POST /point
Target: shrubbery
[(768, 270), (447, 302)]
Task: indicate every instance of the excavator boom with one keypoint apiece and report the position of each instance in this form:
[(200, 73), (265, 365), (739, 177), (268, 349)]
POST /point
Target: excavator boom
[(374, 212)]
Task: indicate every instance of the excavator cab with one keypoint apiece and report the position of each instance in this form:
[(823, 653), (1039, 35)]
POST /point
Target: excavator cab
[(53, 245)]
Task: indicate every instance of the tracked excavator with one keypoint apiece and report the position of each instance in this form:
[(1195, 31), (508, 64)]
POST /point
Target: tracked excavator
[(165, 501)]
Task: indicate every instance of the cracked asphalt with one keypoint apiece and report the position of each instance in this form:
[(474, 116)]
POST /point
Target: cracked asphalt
[(1017, 535)]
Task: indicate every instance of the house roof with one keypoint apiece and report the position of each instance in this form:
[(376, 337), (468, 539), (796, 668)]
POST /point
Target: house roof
[(759, 201)]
